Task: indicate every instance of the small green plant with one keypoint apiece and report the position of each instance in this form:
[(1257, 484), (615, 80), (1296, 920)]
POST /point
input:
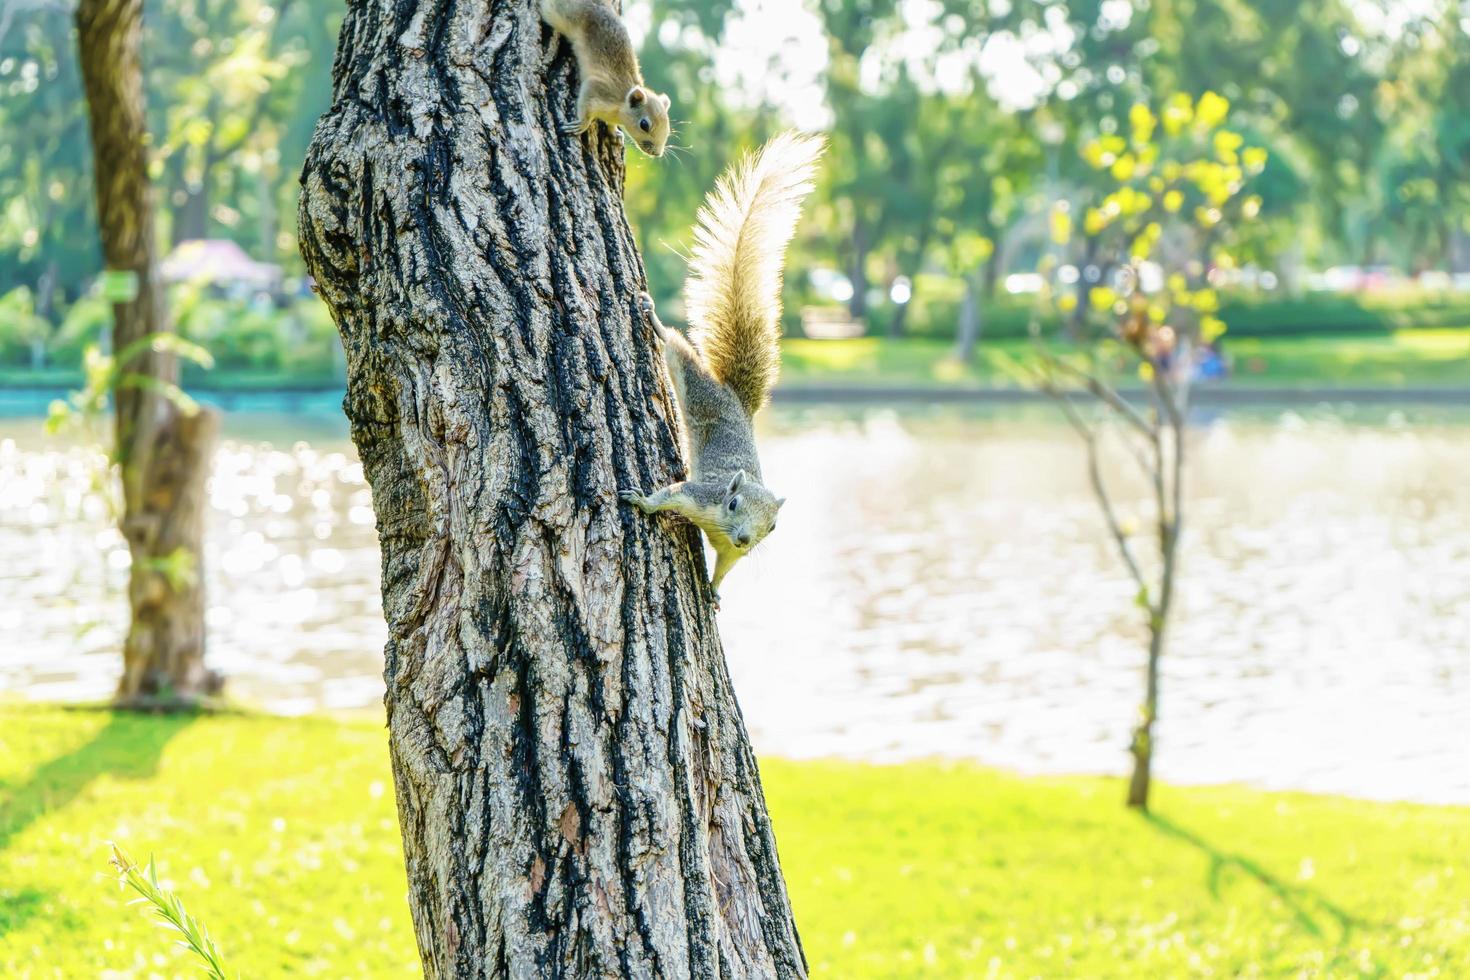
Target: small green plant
[(169, 908), (104, 374), (86, 408)]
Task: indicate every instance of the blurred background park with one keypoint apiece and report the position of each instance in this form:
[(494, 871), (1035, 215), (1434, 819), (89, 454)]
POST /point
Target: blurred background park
[(943, 616)]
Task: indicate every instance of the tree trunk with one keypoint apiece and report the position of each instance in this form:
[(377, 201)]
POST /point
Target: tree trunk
[(265, 194), (857, 306), (1142, 747), (1168, 485), (993, 268), (971, 322), (576, 789), (162, 454), (191, 219), (163, 659), (45, 295), (896, 322)]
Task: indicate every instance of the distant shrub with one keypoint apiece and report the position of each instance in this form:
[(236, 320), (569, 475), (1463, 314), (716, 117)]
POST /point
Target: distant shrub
[(22, 333), (257, 336), (85, 325), (1337, 313), (936, 312)]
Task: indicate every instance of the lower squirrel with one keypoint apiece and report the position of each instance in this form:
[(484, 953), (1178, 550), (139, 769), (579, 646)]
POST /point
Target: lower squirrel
[(723, 374), (612, 82)]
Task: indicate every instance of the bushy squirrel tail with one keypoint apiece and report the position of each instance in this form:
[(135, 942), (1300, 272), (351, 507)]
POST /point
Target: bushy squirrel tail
[(733, 293)]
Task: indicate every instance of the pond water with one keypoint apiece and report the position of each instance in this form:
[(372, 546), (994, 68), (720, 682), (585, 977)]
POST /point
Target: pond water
[(941, 585)]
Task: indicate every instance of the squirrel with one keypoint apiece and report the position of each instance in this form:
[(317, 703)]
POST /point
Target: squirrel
[(612, 83), (722, 378)]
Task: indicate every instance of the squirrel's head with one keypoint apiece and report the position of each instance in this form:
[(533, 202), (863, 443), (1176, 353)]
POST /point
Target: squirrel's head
[(645, 117), (748, 512)]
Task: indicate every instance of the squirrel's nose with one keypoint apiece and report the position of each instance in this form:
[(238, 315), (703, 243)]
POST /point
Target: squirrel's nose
[(743, 540)]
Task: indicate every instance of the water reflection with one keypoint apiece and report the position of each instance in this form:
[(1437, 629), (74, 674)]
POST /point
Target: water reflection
[(940, 585), (294, 616)]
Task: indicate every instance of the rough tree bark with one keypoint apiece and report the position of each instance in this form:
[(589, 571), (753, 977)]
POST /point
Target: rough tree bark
[(576, 789), (162, 452)]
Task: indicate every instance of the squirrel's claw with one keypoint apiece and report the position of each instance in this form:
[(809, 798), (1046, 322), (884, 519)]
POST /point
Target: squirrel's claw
[(634, 497), (573, 128)]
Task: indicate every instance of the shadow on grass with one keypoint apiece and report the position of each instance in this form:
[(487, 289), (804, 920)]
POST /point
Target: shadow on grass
[(1310, 908), (128, 746)]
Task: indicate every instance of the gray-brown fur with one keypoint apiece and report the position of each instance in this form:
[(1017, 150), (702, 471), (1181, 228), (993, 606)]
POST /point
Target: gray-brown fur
[(725, 498), (721, 438), (612, 81), (724, 377)]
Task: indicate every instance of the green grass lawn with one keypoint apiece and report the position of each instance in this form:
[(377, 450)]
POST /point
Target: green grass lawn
[(280, 834), (1428, 357)]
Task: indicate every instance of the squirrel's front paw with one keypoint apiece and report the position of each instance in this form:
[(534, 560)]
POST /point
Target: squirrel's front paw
[(645, 305), (634, 497), (573, 128), (715, 599)]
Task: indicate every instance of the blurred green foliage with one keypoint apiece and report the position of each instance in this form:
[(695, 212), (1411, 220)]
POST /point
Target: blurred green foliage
[(295, 338), (953, 124)]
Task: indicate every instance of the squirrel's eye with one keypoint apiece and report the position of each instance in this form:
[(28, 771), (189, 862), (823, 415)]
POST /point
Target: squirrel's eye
[(734, 502), (645, 125)]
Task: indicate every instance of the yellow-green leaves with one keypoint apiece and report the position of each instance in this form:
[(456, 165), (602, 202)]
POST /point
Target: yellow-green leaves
[(1101, 297), (1141, 122), (1176, 172), (1103, 151), (1143, 244), (1211, 110), (1178, 112), (1061, 225), (1226, 143)]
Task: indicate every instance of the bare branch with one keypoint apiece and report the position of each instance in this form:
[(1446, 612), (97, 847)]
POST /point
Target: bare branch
[(1099, 487), (1108, 396)]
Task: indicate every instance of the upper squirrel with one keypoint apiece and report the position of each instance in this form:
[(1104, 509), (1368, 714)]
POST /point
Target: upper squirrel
[(722, 378), (612, 83)]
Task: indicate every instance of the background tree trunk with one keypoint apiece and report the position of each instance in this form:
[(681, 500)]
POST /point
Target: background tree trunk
[(163, 455), (857, 305), (576, 789), (971, 325), (1142, 747)]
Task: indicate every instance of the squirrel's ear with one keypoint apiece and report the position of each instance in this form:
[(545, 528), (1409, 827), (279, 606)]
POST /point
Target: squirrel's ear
[(636, 96), (738, 479), (779, 502), (665, 100)]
